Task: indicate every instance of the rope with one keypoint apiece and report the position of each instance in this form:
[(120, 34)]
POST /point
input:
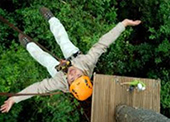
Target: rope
[(18, 30), (27, 94)]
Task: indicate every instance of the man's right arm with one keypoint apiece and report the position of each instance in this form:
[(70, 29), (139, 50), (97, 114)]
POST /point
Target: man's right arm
[(44, 86)]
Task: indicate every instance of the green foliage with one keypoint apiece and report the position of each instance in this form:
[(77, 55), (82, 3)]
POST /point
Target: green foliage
[(81, 22), (18, 70), (154, 38), (57, 108), (7, 34), (141, 51)]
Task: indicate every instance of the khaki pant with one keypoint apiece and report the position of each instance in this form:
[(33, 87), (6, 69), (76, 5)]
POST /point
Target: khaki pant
[(61, 37)]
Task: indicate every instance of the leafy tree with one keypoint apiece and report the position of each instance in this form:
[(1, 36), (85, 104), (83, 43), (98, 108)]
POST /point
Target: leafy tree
[(142, 51)]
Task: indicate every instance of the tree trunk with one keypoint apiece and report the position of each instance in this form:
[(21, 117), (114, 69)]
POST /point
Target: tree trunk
[(129, 114)]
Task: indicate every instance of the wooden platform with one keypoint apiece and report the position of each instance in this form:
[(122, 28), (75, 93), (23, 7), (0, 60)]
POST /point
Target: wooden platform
[(108, 93)]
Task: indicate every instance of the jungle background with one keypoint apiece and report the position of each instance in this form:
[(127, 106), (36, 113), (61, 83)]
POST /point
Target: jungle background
[(141, 51)]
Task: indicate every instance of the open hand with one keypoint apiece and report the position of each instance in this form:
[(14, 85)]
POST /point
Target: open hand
[(7, 105), (128, 22)]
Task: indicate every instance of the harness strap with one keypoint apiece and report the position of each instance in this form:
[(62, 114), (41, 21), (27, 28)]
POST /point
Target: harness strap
[(74, 55), (65, 64)]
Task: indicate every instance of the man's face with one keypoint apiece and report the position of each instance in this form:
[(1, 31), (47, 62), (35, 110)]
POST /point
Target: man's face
[(73, 73)]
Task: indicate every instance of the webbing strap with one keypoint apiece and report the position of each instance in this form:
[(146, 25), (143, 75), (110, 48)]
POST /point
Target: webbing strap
[(28, 94)]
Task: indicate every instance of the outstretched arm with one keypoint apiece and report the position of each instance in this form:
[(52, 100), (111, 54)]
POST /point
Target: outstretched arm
[(111, 36), (107, 39), (44, 86)]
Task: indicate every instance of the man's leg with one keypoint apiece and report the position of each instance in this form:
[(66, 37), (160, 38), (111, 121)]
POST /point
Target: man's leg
[(39, 55), (59, 33)]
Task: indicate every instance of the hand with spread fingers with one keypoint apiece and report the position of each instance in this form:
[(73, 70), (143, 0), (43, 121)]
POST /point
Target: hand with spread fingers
[(7, 105)]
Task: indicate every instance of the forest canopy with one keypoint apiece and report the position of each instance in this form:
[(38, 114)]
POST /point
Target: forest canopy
[(141, 51)]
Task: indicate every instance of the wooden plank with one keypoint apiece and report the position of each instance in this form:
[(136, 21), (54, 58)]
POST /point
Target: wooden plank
[(108, 93)]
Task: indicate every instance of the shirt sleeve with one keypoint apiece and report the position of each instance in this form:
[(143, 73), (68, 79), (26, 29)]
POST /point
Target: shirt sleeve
[(104, 42), (110, 37), (44, 86)]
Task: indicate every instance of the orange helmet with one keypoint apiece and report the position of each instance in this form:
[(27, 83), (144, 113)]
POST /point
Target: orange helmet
[(81, 88)]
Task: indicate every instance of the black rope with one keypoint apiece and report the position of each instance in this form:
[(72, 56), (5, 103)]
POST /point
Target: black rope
[(18, 30), (28, 94)]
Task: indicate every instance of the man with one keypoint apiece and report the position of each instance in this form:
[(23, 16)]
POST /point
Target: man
[(76, 79)]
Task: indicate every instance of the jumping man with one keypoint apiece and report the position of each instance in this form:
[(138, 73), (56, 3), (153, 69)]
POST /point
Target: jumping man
[(76, 79)]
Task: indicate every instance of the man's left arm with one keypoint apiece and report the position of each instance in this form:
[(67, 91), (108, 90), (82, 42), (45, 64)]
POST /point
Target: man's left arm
[(107, 39)]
